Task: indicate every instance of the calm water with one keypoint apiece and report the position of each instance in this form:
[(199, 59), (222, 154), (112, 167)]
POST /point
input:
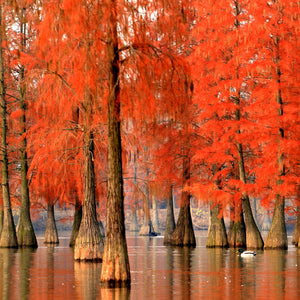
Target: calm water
[(157, 272)]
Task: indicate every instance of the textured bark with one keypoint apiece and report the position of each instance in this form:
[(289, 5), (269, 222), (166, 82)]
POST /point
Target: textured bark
[(277, 236), (25, 233), (51, 236), (183, 234), (89, 242), (170, 221), (236, 235), (8, 238), (115, 266), (76, 222), (217, 237), (296, 233)]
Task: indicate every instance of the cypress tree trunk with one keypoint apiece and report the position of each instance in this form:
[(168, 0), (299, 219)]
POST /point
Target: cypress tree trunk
[(217, 237), (170, 222), (147, 228), (277, 236), (115, 266), (25, 233), (134, 224), (237, 233), (155, 219), (8, 238), (51, 236), (76, 222), (253, 236), (89, 242), (296, 233), (183, 234)]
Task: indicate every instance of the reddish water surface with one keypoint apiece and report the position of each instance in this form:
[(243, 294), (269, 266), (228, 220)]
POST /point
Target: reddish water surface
[(157, 272)]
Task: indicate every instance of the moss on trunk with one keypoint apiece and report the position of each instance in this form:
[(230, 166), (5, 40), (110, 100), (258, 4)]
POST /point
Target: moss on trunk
[(170, 221), (51, 236), (76, 222), (277, 236), (217, 237)]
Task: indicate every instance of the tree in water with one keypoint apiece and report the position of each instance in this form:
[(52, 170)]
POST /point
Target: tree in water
[(51, 235), (170, 220), (25, 233), (8, 238)]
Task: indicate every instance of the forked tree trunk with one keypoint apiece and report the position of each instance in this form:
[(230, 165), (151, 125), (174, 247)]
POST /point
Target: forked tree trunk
[(76, 222), (25, 233), (51, 236), (253, 236), (277, 236), (170, 221), (8, 238), (183, 234), (115, 266), (236, 235), (296, 233), (217, 237), (89, 242)]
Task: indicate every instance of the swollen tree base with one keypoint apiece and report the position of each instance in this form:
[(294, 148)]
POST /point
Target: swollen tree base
[(253, 236), (115, 269), (8, 237), (25, 234), (277, 236), (217, 237), (183, 234), (237, 234), (51, 236), (89, 243)]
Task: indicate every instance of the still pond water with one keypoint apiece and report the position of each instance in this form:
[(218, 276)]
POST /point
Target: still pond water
[(157, 272)]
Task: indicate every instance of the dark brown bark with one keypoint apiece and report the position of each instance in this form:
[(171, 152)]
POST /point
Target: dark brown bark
[(170, 221), (115, 266), (8, 238), (51, 236), (183, 234), (89, 242), (76, 222), (236, 235), (217, 237)]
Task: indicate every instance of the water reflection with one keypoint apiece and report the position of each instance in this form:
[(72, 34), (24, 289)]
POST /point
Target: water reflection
[(26, 255), (157, 272), (7, 262), (87, 277)]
